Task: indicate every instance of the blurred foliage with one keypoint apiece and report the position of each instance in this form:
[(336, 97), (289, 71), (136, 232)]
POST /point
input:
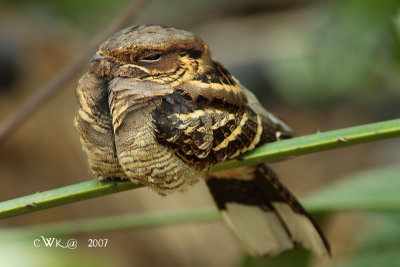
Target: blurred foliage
[(376, 189), (88, 15), (298, 258), (379, 242), (349, 49), (21, 253), (350, 52)]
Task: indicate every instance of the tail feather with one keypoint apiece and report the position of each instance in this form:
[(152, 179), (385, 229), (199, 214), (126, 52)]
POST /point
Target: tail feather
[(264, 215)]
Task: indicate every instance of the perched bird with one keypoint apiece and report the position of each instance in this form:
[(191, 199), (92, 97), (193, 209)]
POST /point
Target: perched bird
[(157, 109)]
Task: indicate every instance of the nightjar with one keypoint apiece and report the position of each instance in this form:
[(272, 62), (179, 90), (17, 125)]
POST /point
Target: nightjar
[(156, 108)]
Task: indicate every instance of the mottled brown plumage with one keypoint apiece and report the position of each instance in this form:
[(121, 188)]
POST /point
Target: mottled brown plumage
[(157, 109)]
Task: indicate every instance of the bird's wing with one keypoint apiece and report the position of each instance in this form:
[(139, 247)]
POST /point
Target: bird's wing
[(211, 119)]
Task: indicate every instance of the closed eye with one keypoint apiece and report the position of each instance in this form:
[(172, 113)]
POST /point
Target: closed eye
[(152, 57)]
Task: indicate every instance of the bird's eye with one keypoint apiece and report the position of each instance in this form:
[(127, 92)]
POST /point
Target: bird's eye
[(152, 57)]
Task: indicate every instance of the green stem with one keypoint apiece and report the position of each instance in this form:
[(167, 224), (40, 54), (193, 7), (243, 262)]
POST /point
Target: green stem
[(113, 223), (269, 152), (315, 143), (62, 195)]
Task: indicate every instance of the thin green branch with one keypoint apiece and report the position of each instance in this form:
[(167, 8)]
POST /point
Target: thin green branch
[(62, 195), (114, 223), (41, 95), (269, 152), (316, 143), (360, 192)]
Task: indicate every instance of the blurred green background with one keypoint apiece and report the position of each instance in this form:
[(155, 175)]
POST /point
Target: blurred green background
[(321, 65)]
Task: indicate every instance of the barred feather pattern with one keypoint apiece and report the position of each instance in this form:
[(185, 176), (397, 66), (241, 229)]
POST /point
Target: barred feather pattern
[(141, 156), (205, 135), (94, 123)]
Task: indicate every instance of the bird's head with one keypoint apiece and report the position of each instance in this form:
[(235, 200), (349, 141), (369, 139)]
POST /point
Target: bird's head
[(155, 53)]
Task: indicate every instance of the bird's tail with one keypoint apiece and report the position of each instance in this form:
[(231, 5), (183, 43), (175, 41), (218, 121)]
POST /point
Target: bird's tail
[(263, 214)]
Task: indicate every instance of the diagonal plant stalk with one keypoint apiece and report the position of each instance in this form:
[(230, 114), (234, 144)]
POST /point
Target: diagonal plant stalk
[(47, 90), (269, 152), (359, 192), (112, 223)]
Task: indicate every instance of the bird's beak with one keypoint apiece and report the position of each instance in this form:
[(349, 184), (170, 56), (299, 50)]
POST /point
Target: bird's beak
[(97, 57)]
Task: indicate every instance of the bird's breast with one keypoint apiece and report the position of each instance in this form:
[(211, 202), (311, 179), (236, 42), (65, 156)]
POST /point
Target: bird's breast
[(141, 156)]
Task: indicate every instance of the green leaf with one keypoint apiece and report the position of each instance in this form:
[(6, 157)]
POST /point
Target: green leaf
[(380, 248), (299, 258), (370, 190)]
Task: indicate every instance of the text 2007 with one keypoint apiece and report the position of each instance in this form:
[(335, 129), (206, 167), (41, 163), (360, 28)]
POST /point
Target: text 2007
[(97, 243)]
